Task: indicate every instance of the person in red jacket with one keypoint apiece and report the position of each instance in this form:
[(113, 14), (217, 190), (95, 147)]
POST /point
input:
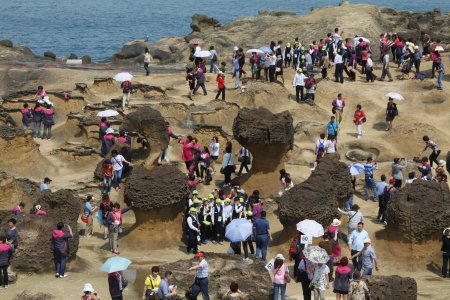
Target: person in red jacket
[(359, 119), (221, 85)]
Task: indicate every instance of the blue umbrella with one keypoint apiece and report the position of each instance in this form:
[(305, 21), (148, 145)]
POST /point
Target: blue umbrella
[(115, 264), (355, 169), (239, 230), (266, 49)]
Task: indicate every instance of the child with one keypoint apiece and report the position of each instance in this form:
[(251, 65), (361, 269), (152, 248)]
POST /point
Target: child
[(39, 211), (26, 116), (107, 173), (310, 85), (192, 182), (190, 78), (221, 85), (18, 208)]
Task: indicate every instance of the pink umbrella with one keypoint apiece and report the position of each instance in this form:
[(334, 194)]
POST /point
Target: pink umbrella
[(196, 42)]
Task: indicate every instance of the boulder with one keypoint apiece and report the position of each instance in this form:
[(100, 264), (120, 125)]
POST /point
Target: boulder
[(419, 211), (447, 163), (318, 197), (131, 52), (160, 55), (86, 59), (253, 279), (6, 43), (391, 287), (160, 197), (72, 56), (268, 137), (34, 251), (202, 23), (30, 295), (358, 155), (12, 276), (50, 54)]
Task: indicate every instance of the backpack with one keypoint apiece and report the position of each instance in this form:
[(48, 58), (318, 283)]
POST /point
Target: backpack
[(296, 248), (126, 85), (214, 58), (308, 83), (386, 196), (321, 146)]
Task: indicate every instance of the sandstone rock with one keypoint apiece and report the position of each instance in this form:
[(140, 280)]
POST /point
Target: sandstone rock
[(124, 150), (86, 59), (419, 211), (253, 279), (392, 287), (8, 132), (50, 54), (447, 163), (275, 13), (437, 11), (268, 137), (413, 24), (160, 196), (358, 155), (6, 43), (160, 54), (72, 56), (30, 295), (12, 276), (203, 23), (34, 251), (317, 198)]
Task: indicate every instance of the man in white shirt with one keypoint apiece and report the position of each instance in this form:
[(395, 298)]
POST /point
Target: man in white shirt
[(299, 84), (339, 67), (356, 243)]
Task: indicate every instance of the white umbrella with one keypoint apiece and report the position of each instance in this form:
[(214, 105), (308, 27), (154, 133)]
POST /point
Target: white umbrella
[(439, 48), (355, 169), (356, 39), (257, 51), (203, 53), (310, 227), (396, 96), (239, 230), (123, 76), (107, 113)]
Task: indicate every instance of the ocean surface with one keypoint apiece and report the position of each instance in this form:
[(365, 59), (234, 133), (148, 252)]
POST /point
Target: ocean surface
[(100, 27)]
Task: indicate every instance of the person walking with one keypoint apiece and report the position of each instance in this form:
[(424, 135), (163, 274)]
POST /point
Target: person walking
[(201, 277), (368, 258), (262, 236), (116, 284), (109, 141), (227, 166), (398, 166), (4, 262), (385, 72), (356, 244), (342, 278), (359, 119), (60, 247), (305, 275), (117, 160), (213, 60), (280, 274), (49, 121), (151, 285), (369, 168), (355, 217), (391, 113), (441, 71), (114, 221), (338, 105), (296, 252), (358, 289), (220, 85), (186, 155), (320, 281), (435, 150), (386, 196), (380, 189), (200, 77), (244, 159), (127, 89), (193, 230), (417, 58), (147, 59), (165, 152), (445, 252), (332, 128), (299, 84), (89, 213)]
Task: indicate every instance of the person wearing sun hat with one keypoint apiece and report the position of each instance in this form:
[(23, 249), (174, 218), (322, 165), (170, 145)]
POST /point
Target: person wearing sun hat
[(368, 258), (201, 278), (227, 211), (248, 243), (193, 230), (440, 172), (299, 84), (280, 274), (89, 293)]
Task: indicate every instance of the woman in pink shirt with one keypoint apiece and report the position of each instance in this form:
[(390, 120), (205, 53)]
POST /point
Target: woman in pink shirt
[(280, 273), (4, 262), (186, 154)]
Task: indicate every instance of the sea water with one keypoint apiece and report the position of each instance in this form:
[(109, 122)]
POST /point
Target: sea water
[(100, 27)]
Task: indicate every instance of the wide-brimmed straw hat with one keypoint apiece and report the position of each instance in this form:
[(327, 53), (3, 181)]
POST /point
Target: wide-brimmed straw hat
[(280, 256), (88, 288), (336, 223), (441, 163), (367, 241)]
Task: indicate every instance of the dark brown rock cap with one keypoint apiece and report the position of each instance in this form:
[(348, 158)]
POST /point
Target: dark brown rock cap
[(419, 211), (391, 287), (163, 186), (262, 127), (318, 197)]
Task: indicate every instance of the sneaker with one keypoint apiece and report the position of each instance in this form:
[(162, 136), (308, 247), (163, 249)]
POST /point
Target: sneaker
[(105, 238), (220, 243), (57, 275), (246, 259), (62, 276), (385, 223), (214, 242), (359, 136), (6, 286)]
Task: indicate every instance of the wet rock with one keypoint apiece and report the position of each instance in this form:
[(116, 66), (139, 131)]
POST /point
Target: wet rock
[(253, 279), (160, 197), (419, 211), (86, 59), (31, 295), (72, 56), (201, 23), (275, 13), (318, 197), (6, 43), (391, 287), (268, 137), (50, 54)]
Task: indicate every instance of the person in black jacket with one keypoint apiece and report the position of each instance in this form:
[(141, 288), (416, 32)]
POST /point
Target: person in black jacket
[(445, 253)]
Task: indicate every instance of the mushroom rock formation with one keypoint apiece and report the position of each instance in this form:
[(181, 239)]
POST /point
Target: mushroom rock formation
[(159, 196), (318, 197), (419, 211), (15, 190), (268, 137), (34, 251), (149, 123), (391, 287), (254, 280)]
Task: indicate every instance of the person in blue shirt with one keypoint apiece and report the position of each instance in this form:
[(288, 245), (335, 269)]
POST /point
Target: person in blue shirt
[(369, 167), (263, 235), (45, 184), (380, 188), (332, 128), (89, 213), (356, 244)]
